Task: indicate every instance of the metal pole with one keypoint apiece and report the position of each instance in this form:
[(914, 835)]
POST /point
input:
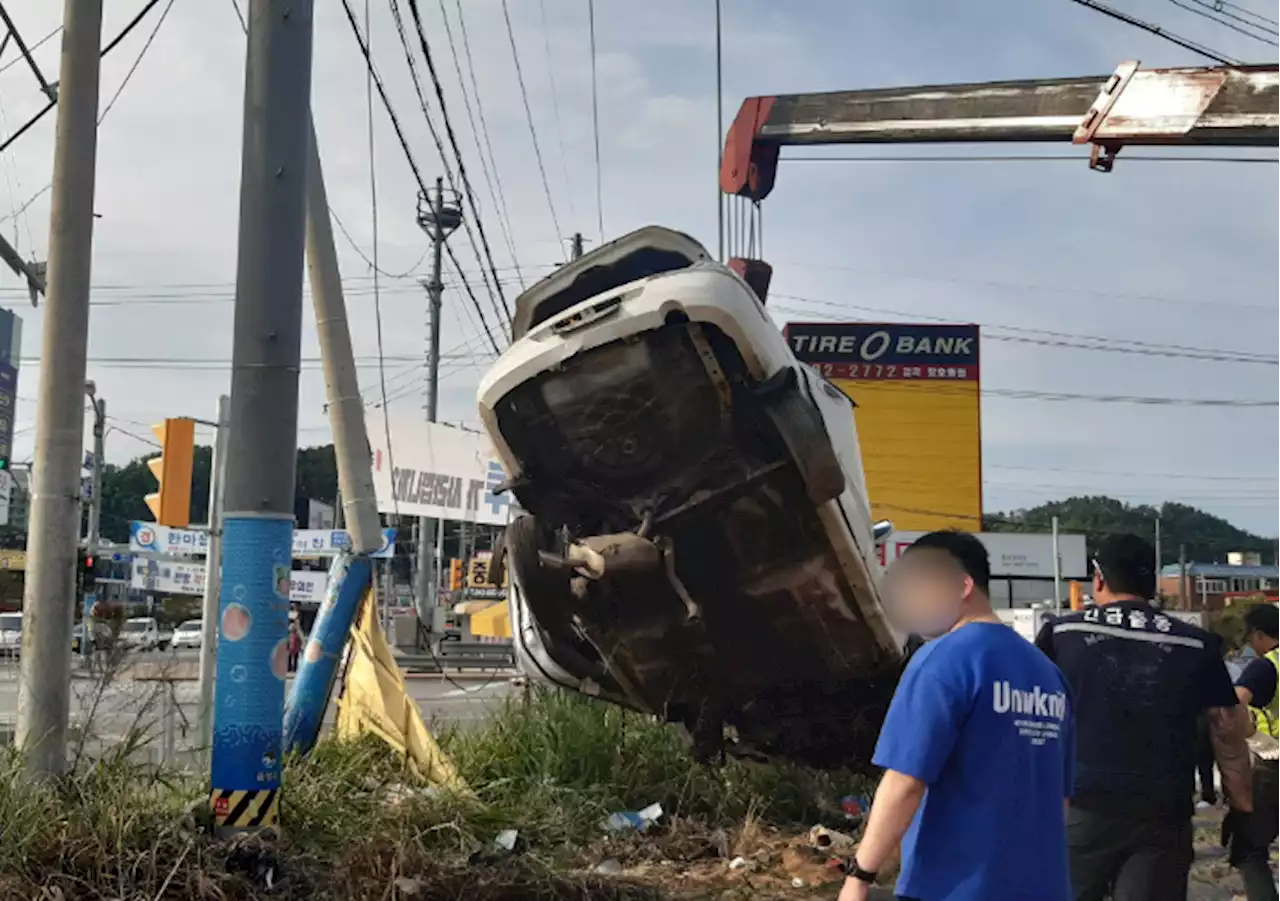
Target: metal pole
[(1159, 557), (577, 245), (257, 530), (212, 576), (1182, 577), (1057, 572), (719, 132), (94, 533), (44, 692), (435, 289)]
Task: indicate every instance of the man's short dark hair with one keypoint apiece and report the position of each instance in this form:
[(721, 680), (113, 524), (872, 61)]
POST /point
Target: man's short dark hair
[(1128, 564), (1264, 618), (962, 547)]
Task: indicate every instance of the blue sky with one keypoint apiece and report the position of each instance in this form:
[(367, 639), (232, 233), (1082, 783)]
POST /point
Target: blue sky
[(1165, 253)]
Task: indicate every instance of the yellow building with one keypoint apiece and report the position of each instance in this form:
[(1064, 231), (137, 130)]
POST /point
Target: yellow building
[(918, 409)]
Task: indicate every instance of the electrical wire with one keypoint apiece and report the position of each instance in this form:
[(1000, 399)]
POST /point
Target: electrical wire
[(555, 108), (1227, 4), (1159, 32), (528, 114), (409, 158), (499, 308), (595, 118), (469, 193), (377, 270), (1223, 22), (115, 42), (1056, 338), (489, 167), (33, 48)]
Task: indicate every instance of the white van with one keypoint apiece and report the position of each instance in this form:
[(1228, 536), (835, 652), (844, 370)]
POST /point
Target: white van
[(140, 633)]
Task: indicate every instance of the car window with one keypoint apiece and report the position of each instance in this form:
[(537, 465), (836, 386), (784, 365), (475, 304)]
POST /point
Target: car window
[(136, 625), (191, 625), (10, 622)]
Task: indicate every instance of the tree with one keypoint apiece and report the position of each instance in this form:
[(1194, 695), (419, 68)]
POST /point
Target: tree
[(125, 487), (1207, 538)]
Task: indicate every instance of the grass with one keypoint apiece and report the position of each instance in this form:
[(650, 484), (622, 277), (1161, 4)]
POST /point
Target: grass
[(356, 827)]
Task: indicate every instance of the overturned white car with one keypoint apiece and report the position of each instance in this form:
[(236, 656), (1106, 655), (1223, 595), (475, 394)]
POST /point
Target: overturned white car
[(695, 539)]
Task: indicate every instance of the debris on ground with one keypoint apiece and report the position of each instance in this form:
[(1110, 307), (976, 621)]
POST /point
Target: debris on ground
[(639, 820)]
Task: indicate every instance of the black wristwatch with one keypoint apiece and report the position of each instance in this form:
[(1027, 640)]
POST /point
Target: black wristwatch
[(853, 871)]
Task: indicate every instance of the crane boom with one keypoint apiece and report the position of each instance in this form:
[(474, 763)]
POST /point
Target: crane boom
[(1203, 106)]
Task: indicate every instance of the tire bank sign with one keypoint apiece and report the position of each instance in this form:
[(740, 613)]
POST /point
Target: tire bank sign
[(915, 389)]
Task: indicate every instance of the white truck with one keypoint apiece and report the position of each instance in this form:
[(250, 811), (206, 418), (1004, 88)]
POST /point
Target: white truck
[(695, 539)]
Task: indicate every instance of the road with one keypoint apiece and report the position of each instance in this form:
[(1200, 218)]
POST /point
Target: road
[(128, 705)]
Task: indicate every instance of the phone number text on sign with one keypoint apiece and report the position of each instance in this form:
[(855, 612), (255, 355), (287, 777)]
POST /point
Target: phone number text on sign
[(892, 371)]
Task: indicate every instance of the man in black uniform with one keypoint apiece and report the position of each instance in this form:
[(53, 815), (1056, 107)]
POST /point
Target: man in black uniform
[(1140, 679)]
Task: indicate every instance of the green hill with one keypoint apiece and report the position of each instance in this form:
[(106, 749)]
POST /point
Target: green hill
[(1207, 538)]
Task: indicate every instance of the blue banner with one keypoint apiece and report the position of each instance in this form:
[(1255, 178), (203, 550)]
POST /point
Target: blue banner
[(252, 658), (349, 578)]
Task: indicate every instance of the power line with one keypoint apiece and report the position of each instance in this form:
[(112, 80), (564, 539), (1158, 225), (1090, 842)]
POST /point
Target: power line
[(555, 107), (1151, 475), (1063, 396), (528, 113), (124, 33), (1159, 32), (595, 117), (408, 154), (490, 167), (33, 48), (1059, 339), (457, 152), (1072, 290), (124, 83), (1247, 32), (500, 309), (1227, 4)]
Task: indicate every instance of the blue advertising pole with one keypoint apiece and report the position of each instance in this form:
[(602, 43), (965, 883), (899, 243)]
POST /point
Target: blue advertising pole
[(349, 577), (257, 536)]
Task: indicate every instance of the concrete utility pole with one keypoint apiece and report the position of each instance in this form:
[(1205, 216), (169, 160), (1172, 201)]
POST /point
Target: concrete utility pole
[(212, 576), (438, 215), (44, 692), (257, 532), (93, 532), (1057, 572), (576, 247), (1182, 577), (1159, 556)]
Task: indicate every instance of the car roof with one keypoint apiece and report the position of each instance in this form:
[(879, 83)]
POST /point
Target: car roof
[(141, 619), (644, 252)]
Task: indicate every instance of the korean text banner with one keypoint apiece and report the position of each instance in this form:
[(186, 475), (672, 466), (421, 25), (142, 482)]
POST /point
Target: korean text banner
[(915, 388), (150, 537), (437, 471)]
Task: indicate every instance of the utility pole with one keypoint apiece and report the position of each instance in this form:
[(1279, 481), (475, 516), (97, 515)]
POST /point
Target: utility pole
[(93, 532), (44, 692), (576, 246), (438, 215), (212, 576), (1057, 572), (1182, 577), (1159, 555), (257, 528)]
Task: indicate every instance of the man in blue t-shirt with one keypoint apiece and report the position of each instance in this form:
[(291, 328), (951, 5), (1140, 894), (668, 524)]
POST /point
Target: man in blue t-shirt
[(977, 747)]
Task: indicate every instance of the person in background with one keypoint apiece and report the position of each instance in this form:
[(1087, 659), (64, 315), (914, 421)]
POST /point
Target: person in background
[(976, 746), (295, 645), (1140, 680), (1204, 764), (1250, 835)]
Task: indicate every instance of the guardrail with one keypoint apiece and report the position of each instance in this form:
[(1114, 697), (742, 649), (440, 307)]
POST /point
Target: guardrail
[(460, 655)]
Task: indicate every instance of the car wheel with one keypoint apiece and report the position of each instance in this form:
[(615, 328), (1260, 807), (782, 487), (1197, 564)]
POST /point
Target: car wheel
[(803, 431)]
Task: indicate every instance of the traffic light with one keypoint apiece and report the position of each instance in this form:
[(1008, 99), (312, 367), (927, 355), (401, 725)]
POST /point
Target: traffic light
[(171, 504), (88, 577), (455, 575)]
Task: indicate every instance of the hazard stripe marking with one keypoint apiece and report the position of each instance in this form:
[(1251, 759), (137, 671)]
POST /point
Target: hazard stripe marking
[(245, 809)]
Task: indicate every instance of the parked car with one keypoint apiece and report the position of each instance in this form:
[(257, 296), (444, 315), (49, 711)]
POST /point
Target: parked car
[(693, 504), (140, 633), (10, 634), (189, 634)]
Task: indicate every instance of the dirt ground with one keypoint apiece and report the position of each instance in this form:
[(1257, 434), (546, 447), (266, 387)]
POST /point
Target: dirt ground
[(757, 863)]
